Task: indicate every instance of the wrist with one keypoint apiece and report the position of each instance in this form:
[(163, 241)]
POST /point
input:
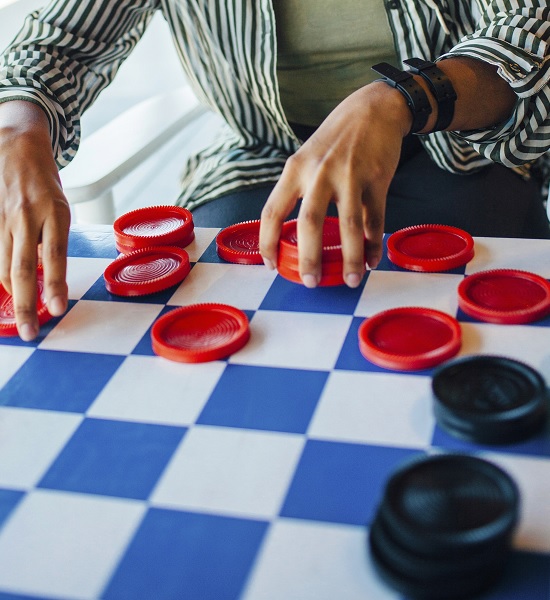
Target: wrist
[(412, 91)]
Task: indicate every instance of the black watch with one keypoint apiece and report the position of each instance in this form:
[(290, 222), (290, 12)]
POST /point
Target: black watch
[(416, 97), (440, 86)]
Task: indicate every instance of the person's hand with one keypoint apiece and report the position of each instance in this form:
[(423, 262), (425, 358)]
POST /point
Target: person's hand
[(34, 215), (350, 160)]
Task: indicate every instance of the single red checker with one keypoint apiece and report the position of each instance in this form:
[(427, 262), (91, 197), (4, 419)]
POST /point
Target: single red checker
[(430, 248), (8, 327), (240, 243), (200, 333), (147, 271), (506, 296), (409, 338)]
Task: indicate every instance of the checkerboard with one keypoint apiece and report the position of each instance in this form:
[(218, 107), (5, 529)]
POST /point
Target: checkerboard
[(127, 476)]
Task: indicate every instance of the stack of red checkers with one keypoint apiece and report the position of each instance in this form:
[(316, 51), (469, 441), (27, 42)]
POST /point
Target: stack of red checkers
[(147, 271), (240, 243), (154, 226), (430, 248), (8, 327), (505, 296), (331, 257), (409, 338), (200, 333)]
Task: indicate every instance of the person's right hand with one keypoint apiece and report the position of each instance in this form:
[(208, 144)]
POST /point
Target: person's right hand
[(34, 215)]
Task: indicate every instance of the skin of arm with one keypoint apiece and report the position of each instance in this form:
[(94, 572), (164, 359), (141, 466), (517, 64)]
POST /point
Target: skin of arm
[(352, 158), (34, 215)]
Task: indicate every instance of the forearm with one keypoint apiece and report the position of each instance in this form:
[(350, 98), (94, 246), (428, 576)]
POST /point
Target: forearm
[(483, 99)]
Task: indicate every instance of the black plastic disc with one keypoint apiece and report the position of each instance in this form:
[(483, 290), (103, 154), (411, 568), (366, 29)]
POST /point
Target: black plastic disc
[(489, 399)]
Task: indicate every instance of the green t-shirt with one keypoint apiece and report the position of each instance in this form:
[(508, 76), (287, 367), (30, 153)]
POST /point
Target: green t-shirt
[(325, 52)]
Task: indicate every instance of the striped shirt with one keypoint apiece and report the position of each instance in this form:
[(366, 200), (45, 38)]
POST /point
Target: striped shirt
[(67, 52)]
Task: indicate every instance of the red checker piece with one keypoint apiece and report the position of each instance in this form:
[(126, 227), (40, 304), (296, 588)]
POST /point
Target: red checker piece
[(332, 245), (506, 296), (331, 273), (240, 243), (409, 338), (430, 248), (8, 327), (147, 271), (200, 333), (154, 226)]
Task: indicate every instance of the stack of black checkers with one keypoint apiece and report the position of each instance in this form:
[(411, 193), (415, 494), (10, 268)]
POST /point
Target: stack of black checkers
[(490, 399), (444, 526)]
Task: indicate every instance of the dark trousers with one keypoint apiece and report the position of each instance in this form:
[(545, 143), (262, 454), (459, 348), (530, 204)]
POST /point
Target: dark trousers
[(495, 202)]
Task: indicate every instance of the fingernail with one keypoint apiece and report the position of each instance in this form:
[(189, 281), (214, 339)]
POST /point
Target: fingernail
[(268, 264), (27, 332), (353, 280), (309, 280), (56, 306)]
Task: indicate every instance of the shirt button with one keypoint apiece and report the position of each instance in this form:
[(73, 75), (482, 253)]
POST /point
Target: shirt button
[(515, 67), (392, 4)]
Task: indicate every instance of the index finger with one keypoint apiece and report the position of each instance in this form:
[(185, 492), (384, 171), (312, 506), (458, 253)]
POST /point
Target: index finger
[(24, 286), (55, 236), (374, 206), (280, 203)]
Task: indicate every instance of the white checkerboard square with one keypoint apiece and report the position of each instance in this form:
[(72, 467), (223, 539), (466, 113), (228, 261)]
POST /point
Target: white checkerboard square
[(204, 236), (230, 471), (527, 343), (294, 340), (152, 390), (102, 327), (391, 289), (65, 545), (11, 359), (374, 408), (296, 553), (26, 457), (82, 273), (531, 477), (523, 254), (243, 286)]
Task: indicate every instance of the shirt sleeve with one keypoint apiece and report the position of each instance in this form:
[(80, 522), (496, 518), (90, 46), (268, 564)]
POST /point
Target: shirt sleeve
[(65, 54), (513, 35)]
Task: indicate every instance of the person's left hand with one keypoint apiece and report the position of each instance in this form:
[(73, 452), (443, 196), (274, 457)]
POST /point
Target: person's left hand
[(350, 160)]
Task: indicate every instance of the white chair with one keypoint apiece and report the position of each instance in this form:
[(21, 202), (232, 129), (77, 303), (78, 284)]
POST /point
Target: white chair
[(119, 147)]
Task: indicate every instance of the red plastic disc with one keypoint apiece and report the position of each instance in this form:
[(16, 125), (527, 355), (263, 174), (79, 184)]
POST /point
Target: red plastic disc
[(154, 226), (147, 271), (8, 327), (332, 245), (430, 248), (409, 338), (505, 296), (200, 333), (331, 274), (240, 243)]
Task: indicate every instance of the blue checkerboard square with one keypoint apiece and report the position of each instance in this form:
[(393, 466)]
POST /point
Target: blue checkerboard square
[(113, 458), (289, 296), (64, 384), (185, 555), (8, 501), (98, 291), (537, 445), (93, 242), (264, 398), (341, 482)]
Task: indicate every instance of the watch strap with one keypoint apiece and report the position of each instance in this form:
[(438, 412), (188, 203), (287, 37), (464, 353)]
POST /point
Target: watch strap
[(414, 94), (440, 86)]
